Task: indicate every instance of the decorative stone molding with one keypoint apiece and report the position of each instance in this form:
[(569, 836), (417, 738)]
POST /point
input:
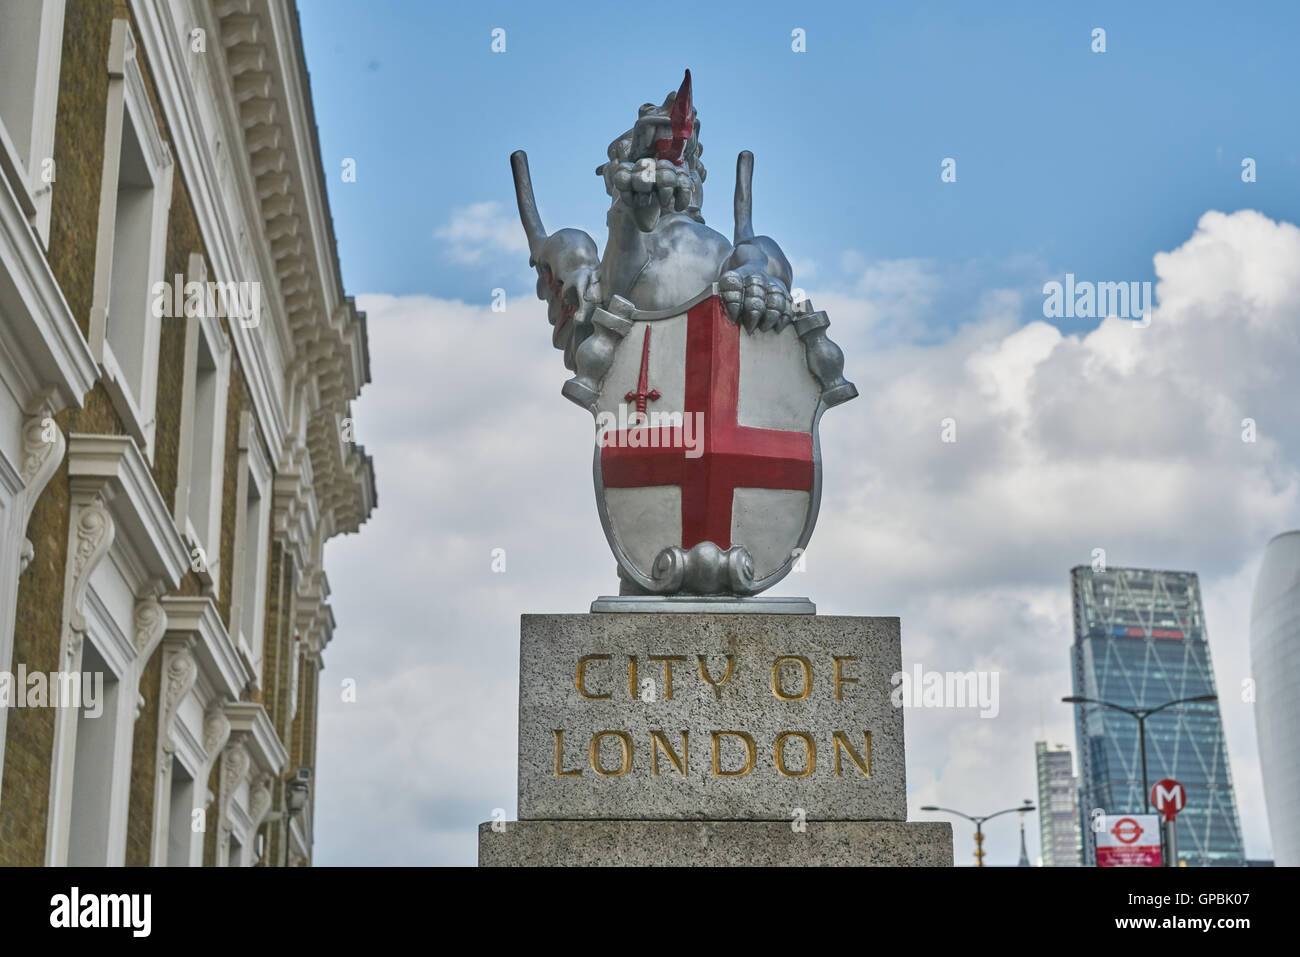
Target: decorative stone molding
[(109, 472), (150, 623), (196, 617), (180, 674), (73, 649), (328, 360), (216, 730), (251, 724), (294, 516), (259, 800), (52, 365), (43, 448), (235, 762), (91, 534), (115, 506)]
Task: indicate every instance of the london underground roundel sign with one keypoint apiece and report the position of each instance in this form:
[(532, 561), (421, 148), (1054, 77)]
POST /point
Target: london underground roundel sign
[(1169, 797)]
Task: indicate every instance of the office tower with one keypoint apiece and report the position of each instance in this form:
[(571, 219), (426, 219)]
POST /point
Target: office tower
[(1140, 643), (1058, 806)]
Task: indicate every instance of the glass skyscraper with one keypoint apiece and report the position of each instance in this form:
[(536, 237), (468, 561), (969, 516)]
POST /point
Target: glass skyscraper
[(1139, 642), (1058, 806)]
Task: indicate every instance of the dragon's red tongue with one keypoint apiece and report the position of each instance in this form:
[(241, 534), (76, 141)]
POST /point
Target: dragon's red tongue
[(682, 117)]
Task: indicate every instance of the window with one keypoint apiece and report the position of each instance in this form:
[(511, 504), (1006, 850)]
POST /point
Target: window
[(124, 334), (135, 198), (252, 531), (202, 434), (251, 609), (180, 832), (31, 45), (93, 778)]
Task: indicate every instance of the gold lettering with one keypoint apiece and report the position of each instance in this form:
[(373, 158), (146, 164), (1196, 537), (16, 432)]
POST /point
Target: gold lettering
[(625, 765), (863, 761), (840, 678), (631, 675), (657, 740), (668, 672), (559, 757), (807, 678), (751, 753), (810, 754), (716, 685), (580, 680)]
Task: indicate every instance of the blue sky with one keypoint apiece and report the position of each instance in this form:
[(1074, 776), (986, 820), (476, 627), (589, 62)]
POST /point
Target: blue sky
[(1073, 435), (1067, 160)]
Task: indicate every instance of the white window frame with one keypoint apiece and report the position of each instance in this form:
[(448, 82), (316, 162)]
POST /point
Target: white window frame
[(207, 534), (114, 647), (123, 549), (26, 174), (251, 545), (129, 101)]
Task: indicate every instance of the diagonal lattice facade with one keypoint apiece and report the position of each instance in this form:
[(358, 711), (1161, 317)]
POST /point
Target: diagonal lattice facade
[(1140, 641)]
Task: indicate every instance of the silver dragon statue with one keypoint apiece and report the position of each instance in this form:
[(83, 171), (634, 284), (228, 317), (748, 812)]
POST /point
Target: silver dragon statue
[(714, 490)]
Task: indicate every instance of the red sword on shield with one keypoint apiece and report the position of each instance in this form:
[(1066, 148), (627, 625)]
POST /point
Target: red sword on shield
[(642, 393)]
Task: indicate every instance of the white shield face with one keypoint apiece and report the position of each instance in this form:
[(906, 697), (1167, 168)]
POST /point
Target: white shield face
[(707, 433)]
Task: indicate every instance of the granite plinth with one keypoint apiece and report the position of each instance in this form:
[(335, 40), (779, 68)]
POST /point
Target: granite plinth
[(715, 844), (710, 717)]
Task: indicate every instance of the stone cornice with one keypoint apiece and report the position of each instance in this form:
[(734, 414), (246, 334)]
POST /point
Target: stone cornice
[(250, 721), (261, 43), (249, 152), (296, 513), (112, 468), (314, 623), (39, 332), (214, 651)]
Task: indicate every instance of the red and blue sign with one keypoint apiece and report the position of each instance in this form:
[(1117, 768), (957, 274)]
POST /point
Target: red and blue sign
[(1121, 632)]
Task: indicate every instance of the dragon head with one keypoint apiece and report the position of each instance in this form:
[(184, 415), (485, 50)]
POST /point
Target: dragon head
[(655, 166)]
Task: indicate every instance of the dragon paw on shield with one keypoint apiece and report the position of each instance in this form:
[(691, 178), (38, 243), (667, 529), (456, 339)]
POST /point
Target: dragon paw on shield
[(707, 380)]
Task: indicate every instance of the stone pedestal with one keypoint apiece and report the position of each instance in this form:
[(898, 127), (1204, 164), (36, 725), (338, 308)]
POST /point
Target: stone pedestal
[(714, 739), (716, 844)]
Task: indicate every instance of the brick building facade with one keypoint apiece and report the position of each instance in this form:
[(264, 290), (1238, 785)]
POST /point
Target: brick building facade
[(173, 454)]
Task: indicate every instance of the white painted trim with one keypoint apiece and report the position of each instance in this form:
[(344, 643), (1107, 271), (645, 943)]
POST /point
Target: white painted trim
[(108, 638), (261, 740), (219, 662), (25, 172), (116, 510), (39, 460), (114, 462), (196, 98), (128, 100), (47, 366), (251, 544), (203, 329), (179, 674), (50, 357), (90, 534)]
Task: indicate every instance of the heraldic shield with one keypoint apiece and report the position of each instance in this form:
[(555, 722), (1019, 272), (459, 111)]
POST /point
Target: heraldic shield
[(707, 463)]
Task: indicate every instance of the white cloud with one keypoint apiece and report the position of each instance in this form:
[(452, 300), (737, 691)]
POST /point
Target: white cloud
[(481, 230), (888, 297), (1123, 438)]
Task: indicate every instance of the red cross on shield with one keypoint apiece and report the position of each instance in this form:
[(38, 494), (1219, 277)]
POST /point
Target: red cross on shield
[(727, 453)]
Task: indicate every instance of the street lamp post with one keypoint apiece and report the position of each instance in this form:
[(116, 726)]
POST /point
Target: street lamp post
[(978, 821), (1141, 714)]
